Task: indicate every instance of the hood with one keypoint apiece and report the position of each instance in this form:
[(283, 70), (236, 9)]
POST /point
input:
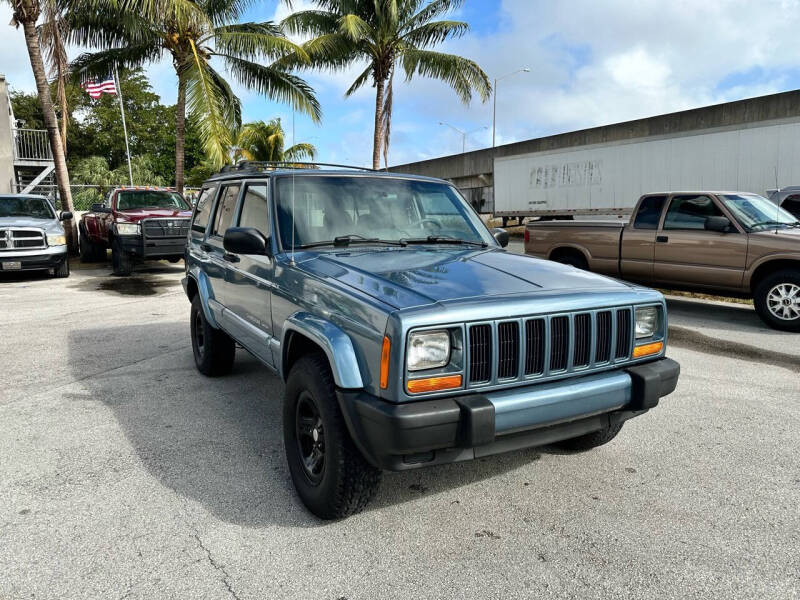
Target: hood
[(789, 234), (419, 275), (50, 225), (136, 215)]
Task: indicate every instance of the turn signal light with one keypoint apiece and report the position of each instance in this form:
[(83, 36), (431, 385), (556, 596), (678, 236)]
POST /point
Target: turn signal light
[(434, 384), (648, 349), (387, 345)]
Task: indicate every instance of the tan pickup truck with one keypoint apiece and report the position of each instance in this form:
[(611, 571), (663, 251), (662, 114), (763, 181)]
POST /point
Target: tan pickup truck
[(727, 243)]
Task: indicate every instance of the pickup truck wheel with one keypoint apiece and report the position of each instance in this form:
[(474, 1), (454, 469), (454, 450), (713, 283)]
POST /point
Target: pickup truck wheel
[(89, 252), (214, 350), (777, 300), (330, 475), (121, 261), (590, 440), (62, 270)]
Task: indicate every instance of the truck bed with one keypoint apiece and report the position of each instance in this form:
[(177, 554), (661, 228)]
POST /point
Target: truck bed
[(558, 240)]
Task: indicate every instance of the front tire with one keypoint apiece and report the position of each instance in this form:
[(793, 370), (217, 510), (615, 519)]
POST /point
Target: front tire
[(62, 270), (330, 475), (777, 300), (590, 440), (121, 261), (214, 350)]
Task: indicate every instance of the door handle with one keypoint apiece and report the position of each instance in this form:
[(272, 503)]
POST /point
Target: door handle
[(662, 239), (206, 247), (230, 257)]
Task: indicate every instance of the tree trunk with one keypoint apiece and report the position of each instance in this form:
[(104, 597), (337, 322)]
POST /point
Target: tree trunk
[(180, 130), (377, 137), (50, 121)]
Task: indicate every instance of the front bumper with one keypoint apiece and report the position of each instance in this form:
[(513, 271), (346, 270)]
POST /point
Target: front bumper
[(31, 260), (415, 434), (153, 248)]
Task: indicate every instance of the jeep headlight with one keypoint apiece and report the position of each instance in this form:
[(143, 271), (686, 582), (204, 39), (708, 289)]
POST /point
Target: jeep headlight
[(428, 350), (127, 228), (56, 239), (646, 321)]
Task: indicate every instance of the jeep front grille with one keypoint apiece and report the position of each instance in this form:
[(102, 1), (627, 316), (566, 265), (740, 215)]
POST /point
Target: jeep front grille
[(516, 349), (22, 239), (165, 228)]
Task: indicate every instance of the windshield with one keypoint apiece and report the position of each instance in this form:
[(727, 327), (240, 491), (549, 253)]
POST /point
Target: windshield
[(133, 199), (326, 207), (15, 206), (756, 212)]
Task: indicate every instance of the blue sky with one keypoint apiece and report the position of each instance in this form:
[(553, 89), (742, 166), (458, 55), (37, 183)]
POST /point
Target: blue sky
[(592, 63)]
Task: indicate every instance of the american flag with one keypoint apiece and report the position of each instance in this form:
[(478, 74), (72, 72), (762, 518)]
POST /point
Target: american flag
[(96, 87)]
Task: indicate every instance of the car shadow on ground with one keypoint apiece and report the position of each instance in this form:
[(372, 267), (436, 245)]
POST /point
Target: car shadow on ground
[(730, 316), (218, 441)]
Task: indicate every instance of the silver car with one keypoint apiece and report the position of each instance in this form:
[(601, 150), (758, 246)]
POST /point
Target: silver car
[(32, 236)]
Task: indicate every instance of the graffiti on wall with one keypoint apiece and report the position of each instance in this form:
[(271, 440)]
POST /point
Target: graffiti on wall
[(582, 173)]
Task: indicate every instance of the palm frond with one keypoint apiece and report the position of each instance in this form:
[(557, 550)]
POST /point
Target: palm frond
[(252, 41), (461, 74), (275, 83), (354, 27), (433, 33), (98, 64), (359, 82), (299, 152), (437, 8), (311, 22), (206, 103)]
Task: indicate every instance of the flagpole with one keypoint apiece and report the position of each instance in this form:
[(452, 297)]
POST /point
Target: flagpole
[(124, 126)]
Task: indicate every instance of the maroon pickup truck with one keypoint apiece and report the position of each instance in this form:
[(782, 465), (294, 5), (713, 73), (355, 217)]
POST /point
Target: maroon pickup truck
[(136, 223)]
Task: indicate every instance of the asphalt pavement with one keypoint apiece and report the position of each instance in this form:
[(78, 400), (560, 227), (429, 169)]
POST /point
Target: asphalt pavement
[(126, 474)]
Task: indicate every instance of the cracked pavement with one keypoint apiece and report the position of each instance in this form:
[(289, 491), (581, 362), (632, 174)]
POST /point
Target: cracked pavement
[(126, 474)]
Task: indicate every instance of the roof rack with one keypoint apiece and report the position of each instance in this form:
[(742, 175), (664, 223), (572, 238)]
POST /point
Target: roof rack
[(263, 165)]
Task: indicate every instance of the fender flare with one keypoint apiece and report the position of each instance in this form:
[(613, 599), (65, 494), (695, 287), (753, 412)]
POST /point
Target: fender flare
[(335, 343), (204, 291)]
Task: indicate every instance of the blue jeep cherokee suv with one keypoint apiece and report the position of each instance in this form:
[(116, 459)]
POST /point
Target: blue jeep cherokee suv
[(406, 335)]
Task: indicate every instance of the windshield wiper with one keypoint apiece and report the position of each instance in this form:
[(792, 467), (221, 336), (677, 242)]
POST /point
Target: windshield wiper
[(441, 239), (347, 240)]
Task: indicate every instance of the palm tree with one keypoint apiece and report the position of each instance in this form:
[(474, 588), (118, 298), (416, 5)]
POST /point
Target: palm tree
[(193, 33), (265, 141), (26, 13), (387, 33)]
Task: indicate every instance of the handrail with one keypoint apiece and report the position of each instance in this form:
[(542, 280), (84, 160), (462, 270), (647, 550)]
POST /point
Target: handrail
[(31, 144)]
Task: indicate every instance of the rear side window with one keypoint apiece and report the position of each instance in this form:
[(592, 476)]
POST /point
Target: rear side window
[(792, 205), (225, 208), (649, 212), (254, 208), (203, 209), (690, 212)]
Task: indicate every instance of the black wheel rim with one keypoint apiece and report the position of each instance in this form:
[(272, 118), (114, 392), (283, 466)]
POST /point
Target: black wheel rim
[(310, 438), (199, 338)]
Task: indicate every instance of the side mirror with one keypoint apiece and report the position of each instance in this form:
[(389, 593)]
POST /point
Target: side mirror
[(100, 208), (720, 224), (246, 240), (501, 235), (65, 216)]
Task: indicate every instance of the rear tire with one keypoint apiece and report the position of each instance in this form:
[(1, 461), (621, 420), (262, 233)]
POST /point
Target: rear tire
[(121, 261), (214, 350), (330, 475), (89, 251), (62, 270), (573, 259), (777, 300), (590, 440)]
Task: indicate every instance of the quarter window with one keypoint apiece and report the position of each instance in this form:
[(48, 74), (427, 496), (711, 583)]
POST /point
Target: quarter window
[(690, 212), (202, 211), (225, 209), (649, 212), (255, 211)]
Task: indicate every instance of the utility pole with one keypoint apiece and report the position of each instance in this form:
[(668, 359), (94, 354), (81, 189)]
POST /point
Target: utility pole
[(494, 93)]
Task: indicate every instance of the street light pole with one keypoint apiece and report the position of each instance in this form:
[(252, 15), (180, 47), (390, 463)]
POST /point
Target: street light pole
[(464, 134), (494, 90)]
